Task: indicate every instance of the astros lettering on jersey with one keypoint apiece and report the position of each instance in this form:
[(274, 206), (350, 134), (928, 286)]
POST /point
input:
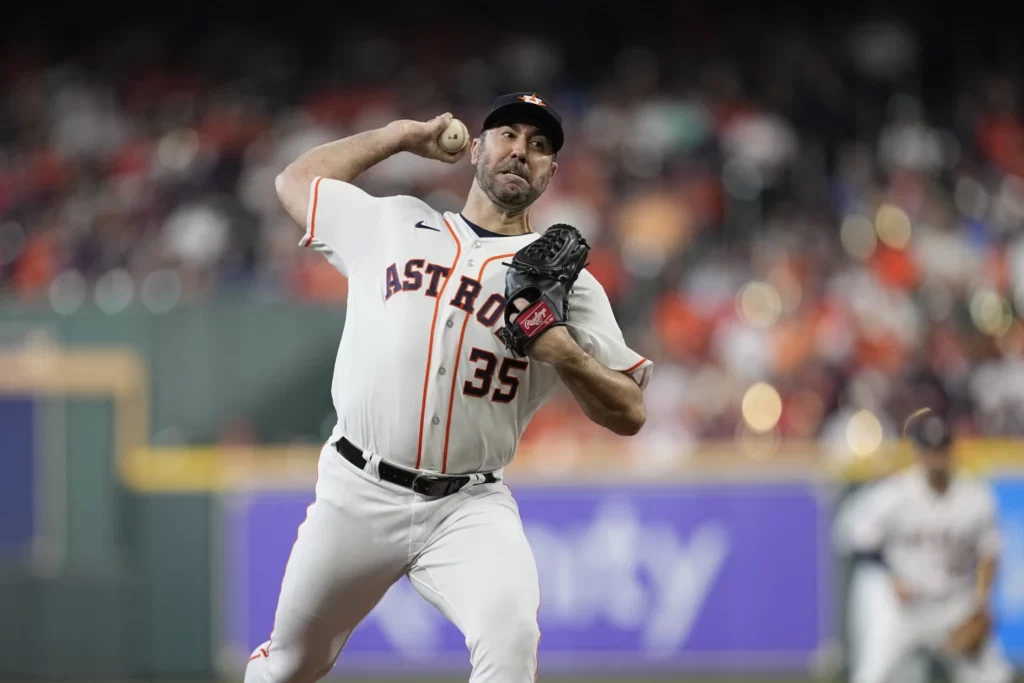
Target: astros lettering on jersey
[(451, 400)]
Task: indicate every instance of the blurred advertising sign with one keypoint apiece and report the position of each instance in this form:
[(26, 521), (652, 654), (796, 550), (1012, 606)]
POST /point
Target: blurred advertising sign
[(18, 433), (728, 577), (1010, 583)]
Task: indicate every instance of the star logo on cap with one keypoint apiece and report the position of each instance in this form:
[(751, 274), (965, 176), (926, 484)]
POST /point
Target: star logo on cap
[(533, 99)]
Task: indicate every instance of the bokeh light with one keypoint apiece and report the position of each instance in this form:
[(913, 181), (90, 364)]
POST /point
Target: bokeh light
[(161, 291), (990, 312), (762, 407), (68, 292), (759, 304), (864, 433), (115, 291), (857, 234), (178, 149), (893, 226)]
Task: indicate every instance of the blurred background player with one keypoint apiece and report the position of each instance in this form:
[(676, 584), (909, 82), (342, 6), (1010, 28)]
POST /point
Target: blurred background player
[(929, 544)]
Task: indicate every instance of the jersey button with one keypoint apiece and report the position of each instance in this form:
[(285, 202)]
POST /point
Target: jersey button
[(450, 323), (471, 263), (476, 245), (441, 371), (435, 420)]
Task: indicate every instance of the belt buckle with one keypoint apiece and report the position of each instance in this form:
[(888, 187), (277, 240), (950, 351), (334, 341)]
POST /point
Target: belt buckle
[(451, 485)]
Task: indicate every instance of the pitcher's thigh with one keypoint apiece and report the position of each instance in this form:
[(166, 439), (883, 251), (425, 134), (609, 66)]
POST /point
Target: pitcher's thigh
[(479, 572), (335, 574)]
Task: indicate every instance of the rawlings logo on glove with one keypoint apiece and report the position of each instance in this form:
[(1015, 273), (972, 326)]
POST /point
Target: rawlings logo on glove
[(535, 322), (541, 276)]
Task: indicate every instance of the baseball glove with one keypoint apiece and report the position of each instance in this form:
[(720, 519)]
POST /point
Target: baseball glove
[(968, 637), (542, 274)]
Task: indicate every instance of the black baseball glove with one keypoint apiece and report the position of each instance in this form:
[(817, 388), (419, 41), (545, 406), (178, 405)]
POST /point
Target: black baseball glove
[(542, 273)]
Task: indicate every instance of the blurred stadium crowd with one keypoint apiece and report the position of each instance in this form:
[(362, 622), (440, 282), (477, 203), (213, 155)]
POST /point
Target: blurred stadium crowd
[(810, 232)]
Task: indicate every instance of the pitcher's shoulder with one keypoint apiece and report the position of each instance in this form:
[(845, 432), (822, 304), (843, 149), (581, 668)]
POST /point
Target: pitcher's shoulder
[(415, 206), (588, 285)]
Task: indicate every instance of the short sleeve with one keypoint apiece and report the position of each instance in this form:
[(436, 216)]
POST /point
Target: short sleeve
[(865, 522), (990, 543), (342, 223), (592, 324)]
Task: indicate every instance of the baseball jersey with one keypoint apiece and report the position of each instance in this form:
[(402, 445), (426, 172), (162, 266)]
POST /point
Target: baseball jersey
[(421, 377), (932, 542)]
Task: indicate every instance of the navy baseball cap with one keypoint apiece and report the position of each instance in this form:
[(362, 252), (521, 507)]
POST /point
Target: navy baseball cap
[(527, 107), (929, 431)]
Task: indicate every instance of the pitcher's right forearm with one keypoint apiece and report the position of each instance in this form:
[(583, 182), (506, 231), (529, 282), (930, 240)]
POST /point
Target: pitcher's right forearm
[(343, 159)]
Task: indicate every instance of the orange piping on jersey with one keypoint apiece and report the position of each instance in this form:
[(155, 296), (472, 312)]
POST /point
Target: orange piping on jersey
[(642, 361), (312, 218), (458, 358), (261, 653), (430, 347)]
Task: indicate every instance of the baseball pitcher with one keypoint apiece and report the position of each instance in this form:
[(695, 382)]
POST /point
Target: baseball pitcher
[(458, 328), (936, 543)]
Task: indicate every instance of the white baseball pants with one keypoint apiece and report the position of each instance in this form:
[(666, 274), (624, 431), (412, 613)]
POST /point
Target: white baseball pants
[(466, 554), (888, 639)]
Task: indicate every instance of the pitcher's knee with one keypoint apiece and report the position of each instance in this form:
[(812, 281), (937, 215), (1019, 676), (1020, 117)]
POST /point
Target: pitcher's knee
[(520, 637), (292, 665), (506, 645)]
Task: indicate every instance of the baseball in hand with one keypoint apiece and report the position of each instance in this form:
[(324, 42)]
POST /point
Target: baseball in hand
[(454, 137)]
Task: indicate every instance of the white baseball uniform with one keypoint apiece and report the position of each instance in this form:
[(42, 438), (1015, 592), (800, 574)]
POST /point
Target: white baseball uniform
[(422, 381), (932, 543)]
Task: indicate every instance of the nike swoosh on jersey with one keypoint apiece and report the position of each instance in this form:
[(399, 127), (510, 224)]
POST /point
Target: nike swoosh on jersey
[(420, 224)]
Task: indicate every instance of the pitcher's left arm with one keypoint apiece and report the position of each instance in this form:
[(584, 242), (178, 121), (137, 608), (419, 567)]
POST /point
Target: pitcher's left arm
[(609, 397), (558, 313)]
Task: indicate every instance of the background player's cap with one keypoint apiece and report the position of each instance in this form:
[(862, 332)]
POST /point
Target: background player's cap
[(928, 430), (527, 107)]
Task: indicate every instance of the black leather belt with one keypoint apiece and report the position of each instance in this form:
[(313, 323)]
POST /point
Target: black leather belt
[(432, 485)]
